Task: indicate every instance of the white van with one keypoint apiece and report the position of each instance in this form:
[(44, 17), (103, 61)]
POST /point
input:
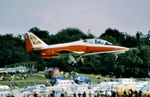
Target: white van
[(65, 82)]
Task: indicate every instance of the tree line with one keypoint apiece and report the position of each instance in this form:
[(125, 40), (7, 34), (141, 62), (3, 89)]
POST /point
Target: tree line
[(134, 63)]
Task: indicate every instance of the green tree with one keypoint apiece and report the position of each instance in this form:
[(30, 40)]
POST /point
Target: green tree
[(129, 41), (130, 61), (138, 39), (71, 34), (12, 50), (119, 38), (145, 56)]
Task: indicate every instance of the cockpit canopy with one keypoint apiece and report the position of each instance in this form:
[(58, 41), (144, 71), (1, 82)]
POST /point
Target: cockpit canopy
[(97, 41)]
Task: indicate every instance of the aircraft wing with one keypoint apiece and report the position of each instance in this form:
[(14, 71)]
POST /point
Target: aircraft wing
[(65, 52), (75, 53), (114, 52)]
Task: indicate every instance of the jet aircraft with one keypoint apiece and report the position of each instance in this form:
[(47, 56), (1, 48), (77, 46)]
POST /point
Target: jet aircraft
[(81, 47)]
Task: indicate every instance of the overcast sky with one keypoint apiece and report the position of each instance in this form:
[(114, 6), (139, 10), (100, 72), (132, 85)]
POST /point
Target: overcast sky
[(18, 16)]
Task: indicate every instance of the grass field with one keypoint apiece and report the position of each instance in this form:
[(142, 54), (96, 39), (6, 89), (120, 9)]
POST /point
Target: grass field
[(20, 81), (32, 79)]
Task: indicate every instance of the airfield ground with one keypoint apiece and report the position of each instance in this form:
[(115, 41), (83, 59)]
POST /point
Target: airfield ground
[(21, 80), (21, 84)]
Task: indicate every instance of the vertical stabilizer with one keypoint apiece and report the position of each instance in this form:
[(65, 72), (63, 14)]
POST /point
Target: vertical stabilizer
[(34, 43)]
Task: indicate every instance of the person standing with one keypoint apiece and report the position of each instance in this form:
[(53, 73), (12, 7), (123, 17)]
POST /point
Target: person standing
[(140, 93), (35, 94), (62, 95), (79, 95), (106, 94), (84, 94), (74, 94)]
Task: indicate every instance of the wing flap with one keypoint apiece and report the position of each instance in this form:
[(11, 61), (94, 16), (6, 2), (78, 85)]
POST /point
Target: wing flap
[(69, 52)]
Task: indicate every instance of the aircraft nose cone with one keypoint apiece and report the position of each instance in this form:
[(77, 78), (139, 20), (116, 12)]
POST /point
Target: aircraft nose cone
[(124, 48)]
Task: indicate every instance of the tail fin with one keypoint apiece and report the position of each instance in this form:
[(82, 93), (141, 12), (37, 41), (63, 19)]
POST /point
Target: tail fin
[(34, 43)]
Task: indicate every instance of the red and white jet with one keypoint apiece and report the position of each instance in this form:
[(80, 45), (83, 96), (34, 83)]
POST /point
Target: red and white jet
[(80, 47)]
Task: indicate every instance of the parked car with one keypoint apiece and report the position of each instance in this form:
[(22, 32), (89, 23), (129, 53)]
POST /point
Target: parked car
[(81, 79), (55, 78)]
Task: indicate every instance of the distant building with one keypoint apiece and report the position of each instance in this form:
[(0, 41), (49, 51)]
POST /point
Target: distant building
[(51, 72), (19, 69), (144, 37)]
